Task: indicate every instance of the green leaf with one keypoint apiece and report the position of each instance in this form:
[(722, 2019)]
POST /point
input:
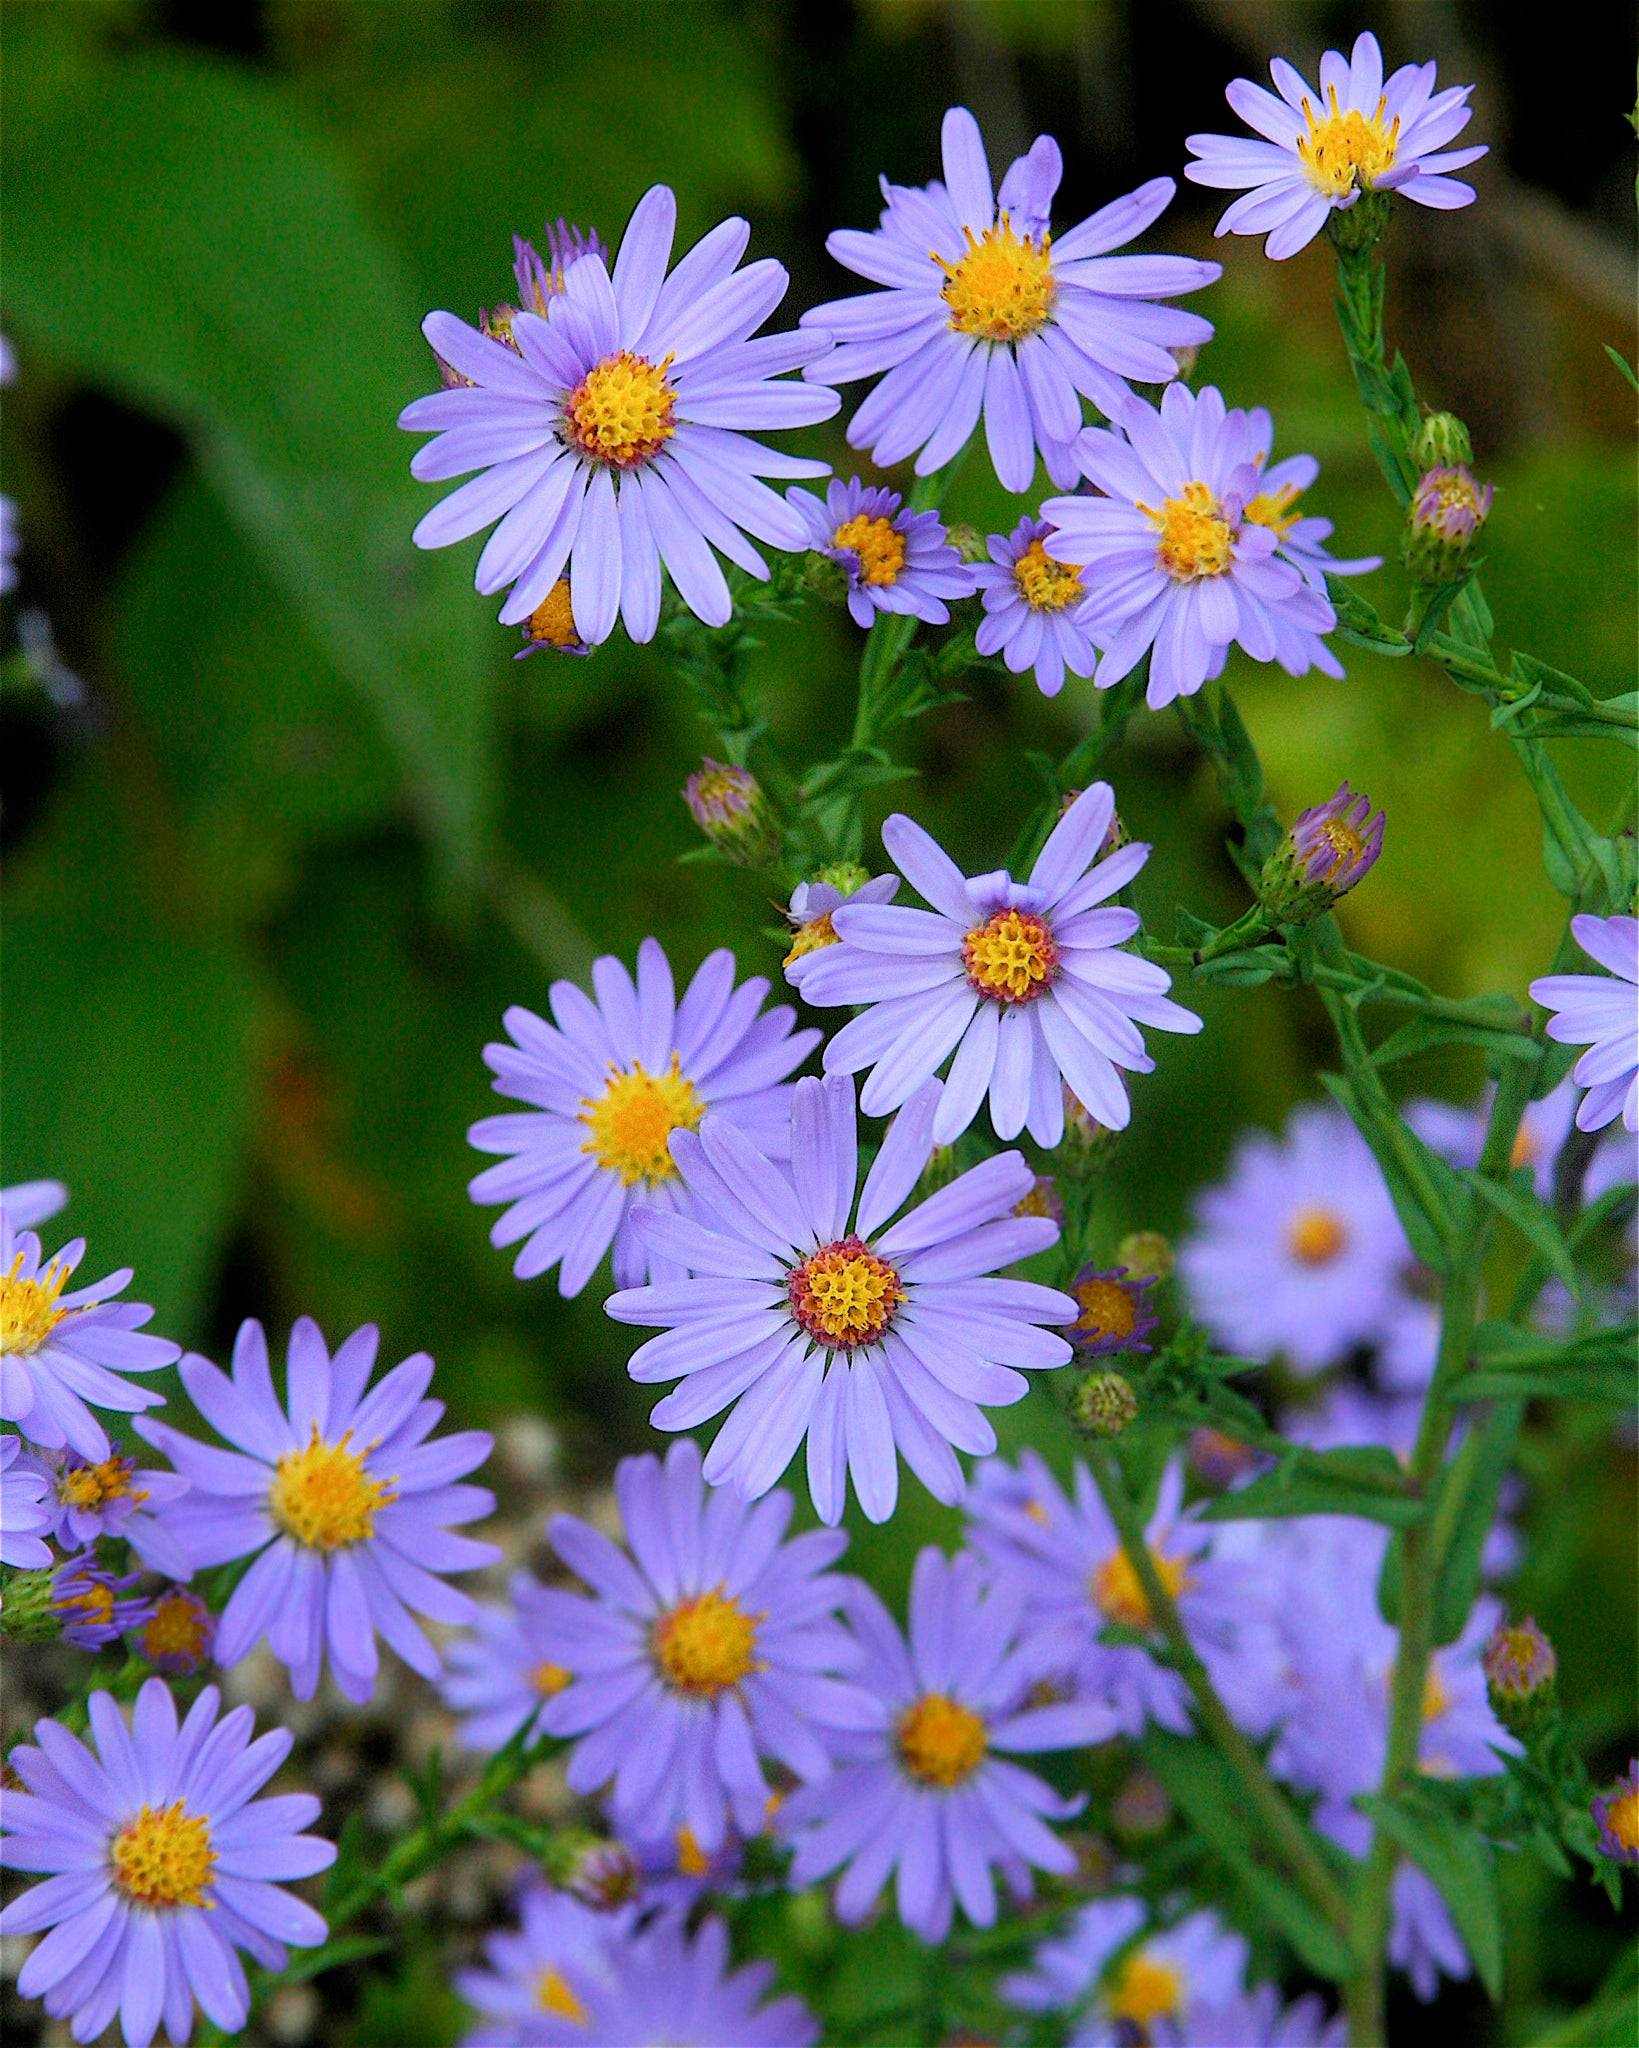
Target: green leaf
[(1424, 1034), (1476, 1474), (1517, 1201), (1366, 1481), (1463, 1868), (1424, 1189), (1622, 364)]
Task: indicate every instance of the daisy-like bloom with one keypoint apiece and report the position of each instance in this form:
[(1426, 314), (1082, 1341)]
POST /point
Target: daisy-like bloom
[(895, 560), (1616, 1814), (62, 1347), (347, 1508), (608, 1082), (984, 311), (1321, 150), (28, 1202), (612, 438), (712, 1647), (178, 1634), (25, 1513), (812, 903), (94, 1607), (1034, 608), (1458, 1135), (818, 1317), (1331, 847), (1250, 2019), (1180, 571), (930, 1793), (162, 1865), (112, 1498), (1298, 1250), (677, 1872), (1300, 536), (1062, 1556), (510, 1668), (1600, 1012), (669, 1988), (1113, 1312), (1153, 1985), (526, 1987), (1025, 981)]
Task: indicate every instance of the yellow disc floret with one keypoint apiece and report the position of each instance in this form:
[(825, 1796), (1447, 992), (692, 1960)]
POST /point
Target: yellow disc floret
[(843, 1295), (1002, 288), (178, 1630), (1144, 1988), (632, 1121), (1046, 585), (941, 1742), (810, 937), (553, 1994), (1621, 1815), (29, 1309), (1120, 1596), (876, 544), (164, 1857), (322, 1495), (1316, 1236), (94, 1486), (548, 1679), (1011, 957), (1278, 510), (1346, 152), (623, 411), (552, 622), (1194, 537), (1109, 1311), (705, 1644)]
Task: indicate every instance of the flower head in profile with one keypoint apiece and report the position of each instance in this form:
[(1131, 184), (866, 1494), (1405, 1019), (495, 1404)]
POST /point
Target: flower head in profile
[(93, 1606), (816, 1315), (1177, 567), (346, 1506), (812, 903), (931, 1793), (1026, 982), (982, 311), (1447, 510), (1034, 608), (62, 1347), (894, 560), (728, 804), (610, 432), (1315, 153), (550, 627), (509, 1667), (1599, 1011), (711, 1649), (25, 1510), (1332, 846), (160, 1865), (607, 1084), (527, 1986), (112, 1497), (1147, 1984), (1616, 1815)]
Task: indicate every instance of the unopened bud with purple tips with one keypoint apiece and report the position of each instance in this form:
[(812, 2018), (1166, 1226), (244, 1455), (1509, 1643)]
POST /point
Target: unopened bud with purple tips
[(728, 805), (1520, 1666), (601, 1874), (540, 279), (1332, 846), (1448, 508)]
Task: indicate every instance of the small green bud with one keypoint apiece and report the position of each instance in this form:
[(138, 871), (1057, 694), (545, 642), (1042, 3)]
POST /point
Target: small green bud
[(1361, 226), (601, 1874), (939, 1172), (729, 807), (968, 541), (29, 1614), (1141, 1810), (1146, 1254), (1104, 1404), (1520, 1666), (845, 876), (1087, 1145), (1442, 442), (825, 578)]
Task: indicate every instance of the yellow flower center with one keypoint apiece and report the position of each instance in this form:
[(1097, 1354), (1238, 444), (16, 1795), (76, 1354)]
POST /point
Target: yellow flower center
[(1011, 957), (1039, 1201), (1278, 510), (1120, 1597), (1436, 1699), (1453, 490), (844, 1295), (94, 1486), (1343, 843), (1144, 1989), (179, 1626), (941, 1741), (817, 932), (876, 544), (1046, 585), (323, 1496), (552, 622), (549, 1679), (553, 1995), (1194, 534), (705, 1644), (632, 1121), (91, 1603), (164, 1857), (692, 1860), (623, 411), (1002, 288), (1622, 1818), (1108, 1310), (1316, 1236), (1527, 1151), (1343, 151), (29, 1309)]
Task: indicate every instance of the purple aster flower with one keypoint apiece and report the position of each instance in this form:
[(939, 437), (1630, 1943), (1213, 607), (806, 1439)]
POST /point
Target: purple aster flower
[(1298, 1251), (620, 1072), (812, 904), (896, 560), (112, 1498), (541, 279), (1034, 608), (1179, 570), (1616, 1814), (1335, 844), (346, 1507), (1301, 537), (1450, 504), (729, 806), (614, 440), (673, 1989), (815, 1319), (525, 1993), (87, 1599), (162, 1865), (1321, 150), (510, 1667), (930, 1792), (1154, 1982), (1599, 1011), (984, 311), (550, 627), (677, 1872), (25, 1514), (717, 1648), (1025, 981), (1113, 1312), (1043, 1199), (179, 1633), (60, 1349), (28, 1202), (1250, 2019)]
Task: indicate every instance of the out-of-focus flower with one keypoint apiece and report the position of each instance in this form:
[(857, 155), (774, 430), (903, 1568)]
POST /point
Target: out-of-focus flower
[(1043, 1199), (526, 1991), (818, 1318), (1033, 608), (162, 1864), (28, 1202), (1178, 569), (611, 436), (178, 1634), (731, 809), (1146, 1255), (25, 1512), (929, 1792), (608, 1082), (712, 1647), (1104, 1405), (93, 1607), (1458, 1135), (670, 1985), (1112, 1312), (1253, 2019), (1332, 846), (1616, 1814), (603, 1875), (894, 560), (10, 544), (1153, 1986), (1026, 982), (1447, 510), (60, 1348), (984, 312), (1520, 1665), (1321, 151), (812, 903), (511, 1666), (111, 1497), (1600, 1012), (349, 1511)]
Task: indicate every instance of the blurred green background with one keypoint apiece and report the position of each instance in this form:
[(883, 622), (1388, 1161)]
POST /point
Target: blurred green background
[(302, 829)]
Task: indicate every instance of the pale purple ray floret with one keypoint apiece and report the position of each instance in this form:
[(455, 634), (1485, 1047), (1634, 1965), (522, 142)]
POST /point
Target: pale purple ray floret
[(1601, 1012)]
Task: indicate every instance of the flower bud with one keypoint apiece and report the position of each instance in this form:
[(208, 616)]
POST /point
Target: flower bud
[(825, 578), (1115, 1315), (601, 1874), (1116, 837), (1146, 1254), (729, 807), (1104, 1404), (1086, 1146), (1042, 1200), (1331, 847), (940, 1171), (1442, 442), (1520, 1665), (1448, 508), (1616, 1815), (1141, 1810), (968, 541), (813, 902), (28, 1613)]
